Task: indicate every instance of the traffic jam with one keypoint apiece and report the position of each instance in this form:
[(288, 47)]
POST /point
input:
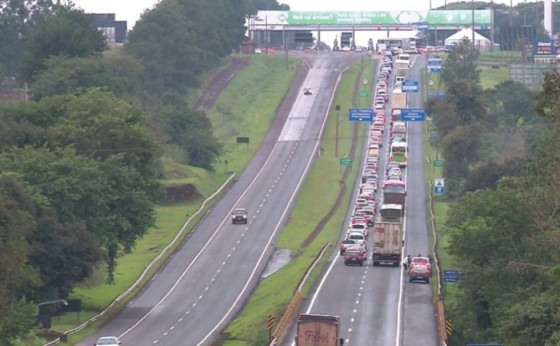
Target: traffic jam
[(378, 210)]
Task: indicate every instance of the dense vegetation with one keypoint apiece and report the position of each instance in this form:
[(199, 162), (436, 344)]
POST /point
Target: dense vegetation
[(80, 162), (503, 168)]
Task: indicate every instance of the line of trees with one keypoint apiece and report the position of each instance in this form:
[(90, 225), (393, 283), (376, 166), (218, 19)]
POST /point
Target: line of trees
[(503, 168), (80, 162)]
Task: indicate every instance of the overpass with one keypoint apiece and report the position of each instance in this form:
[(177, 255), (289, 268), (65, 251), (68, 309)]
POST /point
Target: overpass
[(272, 23)]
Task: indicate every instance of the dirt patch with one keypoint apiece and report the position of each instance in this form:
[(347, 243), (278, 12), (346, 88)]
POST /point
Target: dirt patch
[(343, 188), (219, 83)]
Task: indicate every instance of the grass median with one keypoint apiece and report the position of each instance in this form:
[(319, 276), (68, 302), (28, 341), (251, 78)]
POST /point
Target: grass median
[(264, 74), (315, 200)]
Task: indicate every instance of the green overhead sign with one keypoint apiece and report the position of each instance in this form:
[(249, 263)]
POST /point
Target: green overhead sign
[(434, 17)]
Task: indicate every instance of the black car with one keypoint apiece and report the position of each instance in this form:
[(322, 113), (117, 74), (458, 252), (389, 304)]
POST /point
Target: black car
[(239, 215), (307, 91)]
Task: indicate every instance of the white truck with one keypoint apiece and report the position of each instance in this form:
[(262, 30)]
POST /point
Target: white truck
[(387, 236), (398, 102)]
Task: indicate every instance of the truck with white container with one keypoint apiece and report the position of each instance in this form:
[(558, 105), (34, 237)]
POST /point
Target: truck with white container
[(387, 236)]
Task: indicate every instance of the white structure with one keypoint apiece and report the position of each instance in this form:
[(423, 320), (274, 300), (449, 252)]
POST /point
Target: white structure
[(481, 43), (548, 17)]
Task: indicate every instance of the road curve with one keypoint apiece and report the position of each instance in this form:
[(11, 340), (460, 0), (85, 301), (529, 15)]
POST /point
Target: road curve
[(203, 285)]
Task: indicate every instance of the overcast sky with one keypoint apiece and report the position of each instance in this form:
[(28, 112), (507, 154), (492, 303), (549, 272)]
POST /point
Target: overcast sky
[(131, 10)]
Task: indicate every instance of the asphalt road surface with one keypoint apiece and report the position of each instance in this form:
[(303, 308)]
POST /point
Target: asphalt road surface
[(377, 306), (205, 283)]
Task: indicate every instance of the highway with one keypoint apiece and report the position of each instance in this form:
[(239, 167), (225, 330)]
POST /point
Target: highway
[(205, 283), (377, 306)]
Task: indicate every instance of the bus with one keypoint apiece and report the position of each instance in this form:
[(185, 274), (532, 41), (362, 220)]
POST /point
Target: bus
[(391, 212), (403, 57), (399, 153)]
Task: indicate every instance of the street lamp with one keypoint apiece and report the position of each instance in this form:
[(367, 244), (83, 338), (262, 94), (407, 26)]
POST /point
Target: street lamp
[(473, 44), (50, 302), (337, 107)]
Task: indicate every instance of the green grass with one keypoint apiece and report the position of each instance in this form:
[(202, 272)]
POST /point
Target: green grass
[(274, 293), (261, 74), (501, 57), (490, 77), (249, 106)]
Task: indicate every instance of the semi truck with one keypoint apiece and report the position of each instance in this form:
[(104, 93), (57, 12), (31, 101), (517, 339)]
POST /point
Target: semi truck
[(318, 330), (398, 102), (387, 236)]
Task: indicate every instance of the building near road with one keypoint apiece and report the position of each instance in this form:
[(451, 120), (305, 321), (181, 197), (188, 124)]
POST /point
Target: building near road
[(114, 30)]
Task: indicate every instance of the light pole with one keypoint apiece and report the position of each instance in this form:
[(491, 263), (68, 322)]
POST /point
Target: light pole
[(50, 302), (266, 34), (337, 107), (473, 43)]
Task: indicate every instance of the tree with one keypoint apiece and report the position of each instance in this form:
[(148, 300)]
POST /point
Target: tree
[(461, 149), (65, 31), (114, 71), (461, 64), (17, 277)]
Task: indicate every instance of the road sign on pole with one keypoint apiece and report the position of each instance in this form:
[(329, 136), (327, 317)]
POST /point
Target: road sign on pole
[(270, 322), (409, 86), (439, 187), (363, 94), (358, 114), (438, 163), (346, 161), (413, 114), (452, 275)]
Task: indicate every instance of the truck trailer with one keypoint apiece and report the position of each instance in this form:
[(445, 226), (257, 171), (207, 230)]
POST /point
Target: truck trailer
[(318, 330), (387, 236), (398, 102)]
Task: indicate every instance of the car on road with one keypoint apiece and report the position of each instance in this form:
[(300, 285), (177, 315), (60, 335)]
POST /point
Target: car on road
[(355, 255), (422, 261), (359, 237), (419, 272), (108, 341), (239, 215), (307, 91), (345, 244)]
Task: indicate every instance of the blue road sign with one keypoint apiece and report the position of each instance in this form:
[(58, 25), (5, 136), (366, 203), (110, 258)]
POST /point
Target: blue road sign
[(409, 86), (439, 190), (434, 70), (452, 275), (422, 26), (413, 114), (357, 114)]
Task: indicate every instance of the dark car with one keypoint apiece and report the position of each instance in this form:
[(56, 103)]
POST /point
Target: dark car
[(355, 255), (307, 91), (239, 215)]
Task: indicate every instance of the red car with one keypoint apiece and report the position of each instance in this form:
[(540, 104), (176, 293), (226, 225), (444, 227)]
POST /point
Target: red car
[(422, 261), (355, 255)]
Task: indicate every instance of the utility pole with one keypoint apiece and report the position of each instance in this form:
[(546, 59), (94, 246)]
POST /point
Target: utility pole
[(473, 41)]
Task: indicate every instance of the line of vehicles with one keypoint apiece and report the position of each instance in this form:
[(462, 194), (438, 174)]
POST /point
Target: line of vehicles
[(387, 220)]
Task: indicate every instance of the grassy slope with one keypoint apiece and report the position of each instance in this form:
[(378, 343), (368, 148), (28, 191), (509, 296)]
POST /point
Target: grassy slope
[(274, 292), (263, 73)]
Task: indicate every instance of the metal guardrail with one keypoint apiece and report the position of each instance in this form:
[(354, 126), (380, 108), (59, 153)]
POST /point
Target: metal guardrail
[(136, 284), (296, 299), (440, 304)]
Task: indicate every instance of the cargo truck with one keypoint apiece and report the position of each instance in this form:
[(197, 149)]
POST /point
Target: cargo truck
[(398, 102), (387, 236), (318, 330)]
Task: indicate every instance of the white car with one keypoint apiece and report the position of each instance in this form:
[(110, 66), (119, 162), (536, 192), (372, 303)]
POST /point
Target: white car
[(108, 341)]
